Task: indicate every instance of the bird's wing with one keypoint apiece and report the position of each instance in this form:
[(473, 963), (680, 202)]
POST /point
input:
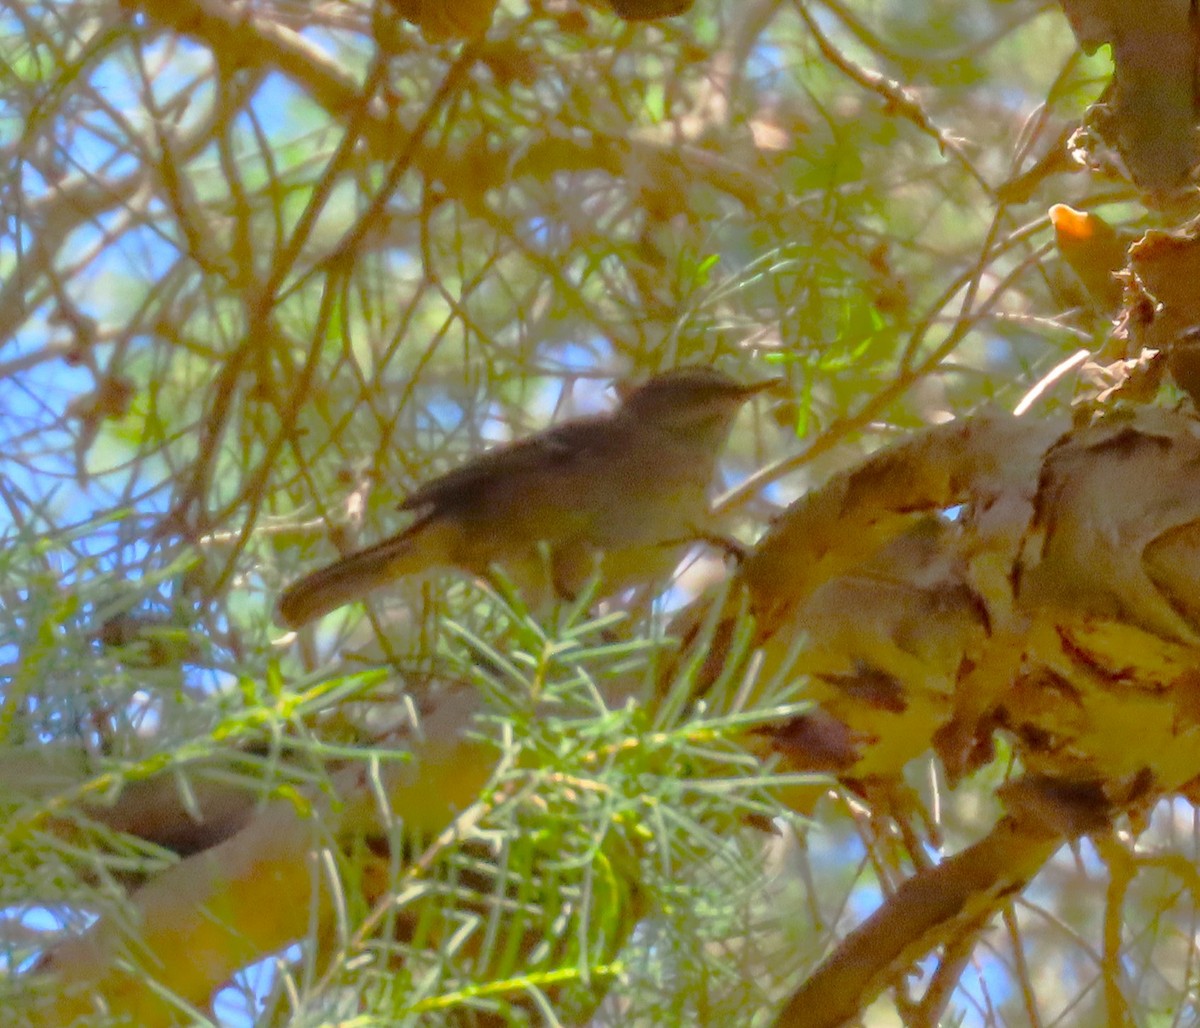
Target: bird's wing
[(553, 451)]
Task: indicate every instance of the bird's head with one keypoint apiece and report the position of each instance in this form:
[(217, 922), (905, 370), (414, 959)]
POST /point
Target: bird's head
[(689, 399)]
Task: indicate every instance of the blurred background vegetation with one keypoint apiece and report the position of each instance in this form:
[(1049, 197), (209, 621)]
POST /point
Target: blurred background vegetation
[(267, 266)]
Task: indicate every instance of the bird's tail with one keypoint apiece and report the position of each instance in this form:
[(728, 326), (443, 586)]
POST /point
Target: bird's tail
[(422, 546)]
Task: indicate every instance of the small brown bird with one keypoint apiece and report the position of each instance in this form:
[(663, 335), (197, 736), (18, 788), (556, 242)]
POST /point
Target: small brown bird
[(618, 494)]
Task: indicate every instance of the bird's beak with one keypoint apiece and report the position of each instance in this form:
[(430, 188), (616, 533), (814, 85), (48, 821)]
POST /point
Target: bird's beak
[(760, 387)]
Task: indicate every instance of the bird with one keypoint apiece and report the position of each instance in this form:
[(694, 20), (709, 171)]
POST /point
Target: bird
[(616, 495)]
